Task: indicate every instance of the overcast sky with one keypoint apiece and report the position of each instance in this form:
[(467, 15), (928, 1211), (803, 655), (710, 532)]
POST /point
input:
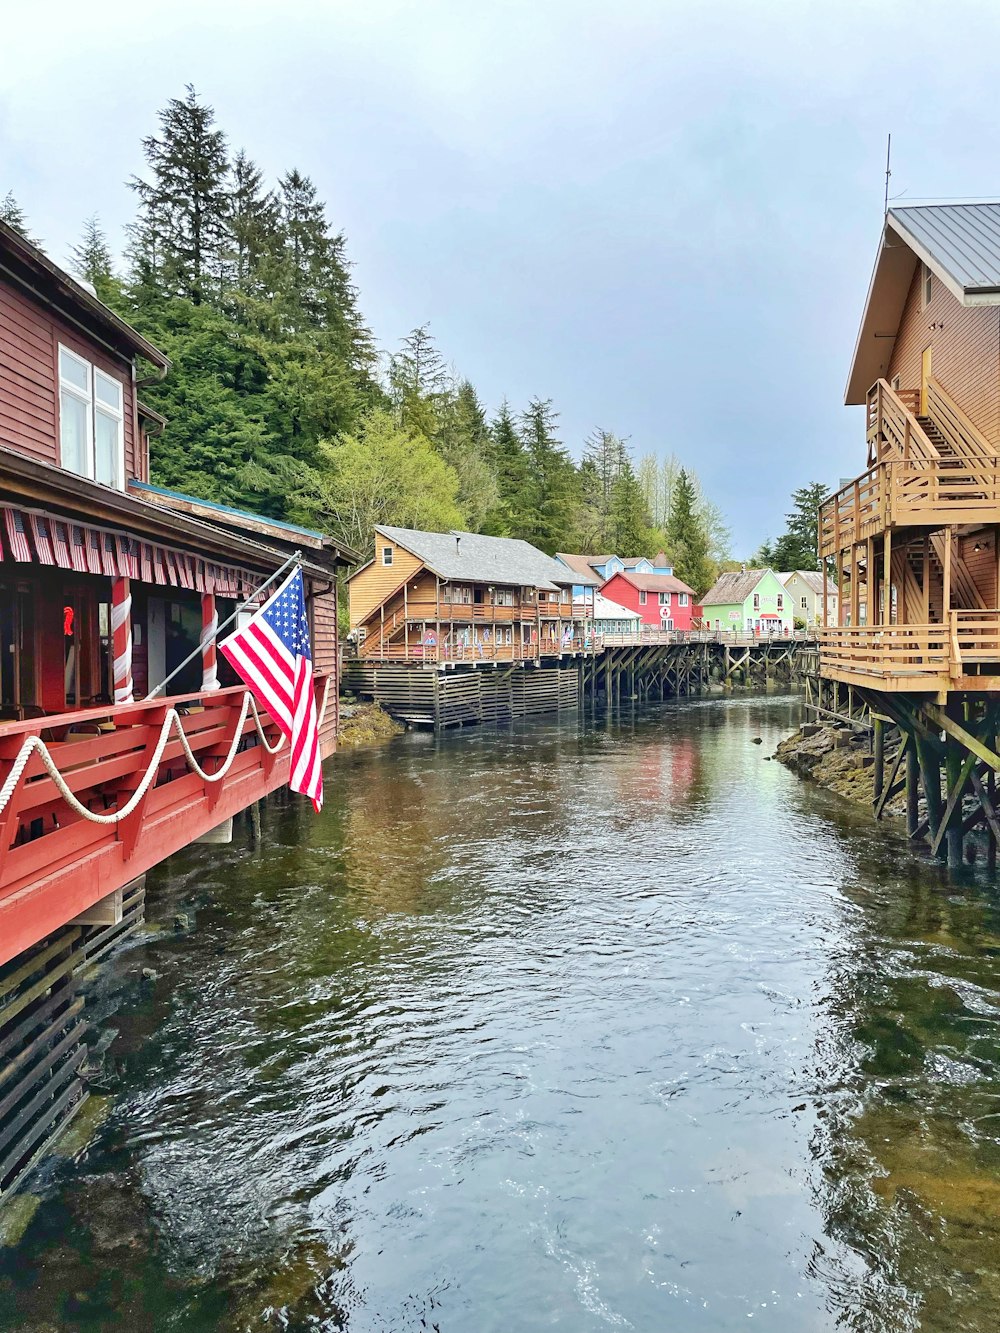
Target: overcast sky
[(662, 216)]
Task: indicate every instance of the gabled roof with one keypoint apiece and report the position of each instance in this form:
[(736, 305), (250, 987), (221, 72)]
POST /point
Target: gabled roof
[(959, 243), (736, 586), (813, 578), (31, 268), (473, 558), (583, 566), (652, 582)]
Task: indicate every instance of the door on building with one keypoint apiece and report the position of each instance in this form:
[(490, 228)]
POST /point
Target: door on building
[(925, 374)]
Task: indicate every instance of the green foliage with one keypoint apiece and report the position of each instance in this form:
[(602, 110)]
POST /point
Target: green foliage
[(551, 491), (687, 537), (13, 214), (798, 546), (382, 473), (629, 530), (508, 461), (92, 260)]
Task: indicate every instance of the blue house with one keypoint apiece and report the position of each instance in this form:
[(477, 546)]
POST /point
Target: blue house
[(604, 567)]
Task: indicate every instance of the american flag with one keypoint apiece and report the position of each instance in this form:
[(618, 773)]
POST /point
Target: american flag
[(272, 654), (43, 541), (94, 562), (78, 548), (17, 535), (60, 541)]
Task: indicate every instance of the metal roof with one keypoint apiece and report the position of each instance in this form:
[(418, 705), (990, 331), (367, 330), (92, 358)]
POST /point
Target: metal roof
[(459, 556), (959, 243), (964, 239)]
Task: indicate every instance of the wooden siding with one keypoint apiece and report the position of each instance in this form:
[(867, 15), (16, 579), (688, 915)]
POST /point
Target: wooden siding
[(29, 399), (981, 564), (370, 587), (965, 353)]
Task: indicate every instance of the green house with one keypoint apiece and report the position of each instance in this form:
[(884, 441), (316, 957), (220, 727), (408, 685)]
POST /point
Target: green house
[(748, 602)]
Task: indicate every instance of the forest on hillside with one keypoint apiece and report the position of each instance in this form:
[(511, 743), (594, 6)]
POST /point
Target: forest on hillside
[(279, 400)]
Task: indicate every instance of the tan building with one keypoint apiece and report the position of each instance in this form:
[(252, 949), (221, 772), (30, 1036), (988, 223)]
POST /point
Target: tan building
[(914, 537), (805, 590)]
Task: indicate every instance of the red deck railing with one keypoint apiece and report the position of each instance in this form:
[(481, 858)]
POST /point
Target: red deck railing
[(55, 862)]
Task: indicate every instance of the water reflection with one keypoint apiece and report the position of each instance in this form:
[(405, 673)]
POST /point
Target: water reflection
[(564, 1026)]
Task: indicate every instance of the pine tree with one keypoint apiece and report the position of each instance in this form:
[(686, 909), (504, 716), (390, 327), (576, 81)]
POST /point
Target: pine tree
[(418, 383), (180, 238), (629, 527), (551, 494), (12, 213), (91, 259), (686, 536), (797, 547), (509, 464), (252, 229)]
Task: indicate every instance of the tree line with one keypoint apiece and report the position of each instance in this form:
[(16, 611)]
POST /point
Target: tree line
[(278, 400)]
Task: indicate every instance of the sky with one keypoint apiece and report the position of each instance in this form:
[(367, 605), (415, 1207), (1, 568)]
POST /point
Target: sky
[(661, 216)]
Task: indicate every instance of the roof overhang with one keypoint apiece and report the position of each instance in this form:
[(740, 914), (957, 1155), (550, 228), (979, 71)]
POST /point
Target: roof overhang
[(26, 265), (36, 485), (900, 251)]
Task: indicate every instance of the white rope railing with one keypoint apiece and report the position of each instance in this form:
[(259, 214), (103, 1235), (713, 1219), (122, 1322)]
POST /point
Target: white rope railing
[(171, 722)]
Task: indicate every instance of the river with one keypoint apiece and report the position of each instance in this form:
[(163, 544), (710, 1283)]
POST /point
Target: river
[(576, 1026)]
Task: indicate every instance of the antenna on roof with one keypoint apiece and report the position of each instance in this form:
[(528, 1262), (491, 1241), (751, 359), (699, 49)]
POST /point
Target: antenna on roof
[(888, 173)]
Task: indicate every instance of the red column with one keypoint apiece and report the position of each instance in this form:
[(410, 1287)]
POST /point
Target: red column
[(121, 636)]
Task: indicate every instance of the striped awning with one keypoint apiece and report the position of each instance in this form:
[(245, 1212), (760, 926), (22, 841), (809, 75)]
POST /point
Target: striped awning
[(31, 537)]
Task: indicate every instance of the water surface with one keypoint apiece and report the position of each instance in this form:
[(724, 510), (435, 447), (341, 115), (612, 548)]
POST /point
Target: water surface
[(613, 1025)]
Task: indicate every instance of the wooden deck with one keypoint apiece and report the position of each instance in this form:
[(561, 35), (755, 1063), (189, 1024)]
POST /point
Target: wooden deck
[(55, 863), (962, 654)]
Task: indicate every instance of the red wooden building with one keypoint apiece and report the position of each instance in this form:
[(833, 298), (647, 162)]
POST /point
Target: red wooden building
[(106, 585), (661, 599)]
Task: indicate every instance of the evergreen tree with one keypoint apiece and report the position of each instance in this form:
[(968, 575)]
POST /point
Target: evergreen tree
[(252, 229), (550, 496), (418, 383), (13, 214), (509, 464), (462, 443), (91, 259), (686, 536), (798, 546), (179, 239), (629, 530)]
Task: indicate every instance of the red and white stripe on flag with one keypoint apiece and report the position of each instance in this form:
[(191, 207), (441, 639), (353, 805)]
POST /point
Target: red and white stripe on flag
[(42, 538), (273, 655), (17, 535), (78, 548), (60, 543)]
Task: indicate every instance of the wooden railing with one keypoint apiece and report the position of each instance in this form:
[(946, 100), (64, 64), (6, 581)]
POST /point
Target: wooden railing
[(56, 863), (893, 428), (966, 440), (915, 652)]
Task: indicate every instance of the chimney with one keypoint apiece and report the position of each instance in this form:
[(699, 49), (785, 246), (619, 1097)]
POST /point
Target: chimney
[(743, 569)]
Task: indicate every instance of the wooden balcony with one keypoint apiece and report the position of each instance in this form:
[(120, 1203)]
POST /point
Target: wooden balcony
[(914, 480), (55, 863), (961, 654)]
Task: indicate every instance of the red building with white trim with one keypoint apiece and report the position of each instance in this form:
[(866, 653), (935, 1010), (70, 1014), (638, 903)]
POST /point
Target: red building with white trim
[(106, 585), (662, 600)]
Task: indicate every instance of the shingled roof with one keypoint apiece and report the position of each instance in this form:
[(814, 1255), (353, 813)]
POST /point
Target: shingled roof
[(652, 582), (583, 565), (736, 586), (473, 558), (814, 579)]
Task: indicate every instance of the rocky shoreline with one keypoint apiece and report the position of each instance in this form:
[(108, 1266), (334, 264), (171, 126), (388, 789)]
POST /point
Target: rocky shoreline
[(838, 757)]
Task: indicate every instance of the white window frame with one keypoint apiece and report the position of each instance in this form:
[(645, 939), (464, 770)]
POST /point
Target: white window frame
[(664, 598), (390, 552), (928, 286), (682, 598), (781, 601), (805, 603), (89, 399), (642, 597)]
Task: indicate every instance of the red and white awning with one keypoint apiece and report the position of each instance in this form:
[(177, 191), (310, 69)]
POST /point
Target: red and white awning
[(30, 537)]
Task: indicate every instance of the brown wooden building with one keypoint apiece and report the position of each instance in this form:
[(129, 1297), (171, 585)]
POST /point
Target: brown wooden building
[(461, 598), (106, 585), (915, 536)]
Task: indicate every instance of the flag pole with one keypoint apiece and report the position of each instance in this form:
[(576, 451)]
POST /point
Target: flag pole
[(295, 558)]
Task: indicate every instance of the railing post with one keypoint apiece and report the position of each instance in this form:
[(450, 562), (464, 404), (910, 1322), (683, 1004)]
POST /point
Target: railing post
[(127, 832)]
